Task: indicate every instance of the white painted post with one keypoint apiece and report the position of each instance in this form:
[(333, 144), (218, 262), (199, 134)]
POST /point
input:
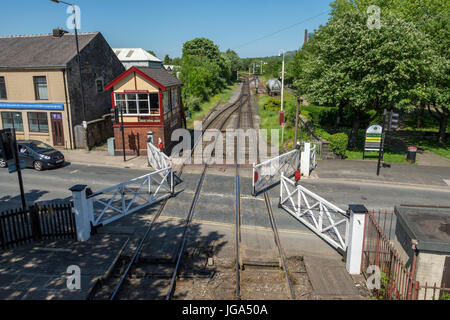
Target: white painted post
[(358, 214), (305, 159), (81, 210)]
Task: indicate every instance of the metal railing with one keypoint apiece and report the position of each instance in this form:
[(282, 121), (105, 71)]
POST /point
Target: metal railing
[(321, 216), (125, 198), (313, 160), (156, 158), (268, 173), (397, 280), (437, 292)]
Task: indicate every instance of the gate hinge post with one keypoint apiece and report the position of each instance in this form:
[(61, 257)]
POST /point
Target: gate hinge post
[(354, 255), (305, 159), (81, 210)]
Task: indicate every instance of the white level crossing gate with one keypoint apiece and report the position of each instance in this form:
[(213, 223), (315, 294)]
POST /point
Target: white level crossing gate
[(115, 202), (156, 158), (268, 173), (324, 218), (105, 206)]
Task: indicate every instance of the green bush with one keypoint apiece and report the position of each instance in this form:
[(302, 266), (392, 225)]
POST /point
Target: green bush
[(272, 104), (322, 133), (192, 103), (339, 143)]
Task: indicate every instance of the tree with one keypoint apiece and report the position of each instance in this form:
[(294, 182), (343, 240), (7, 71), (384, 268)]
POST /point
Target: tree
[(353, 66), (167, 60), (151, 52), (431, 17), (235, 61)]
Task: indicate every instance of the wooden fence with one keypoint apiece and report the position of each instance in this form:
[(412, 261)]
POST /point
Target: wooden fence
[(40, 222)]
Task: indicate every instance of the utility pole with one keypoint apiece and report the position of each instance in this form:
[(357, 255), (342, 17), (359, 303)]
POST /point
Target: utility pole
[(19, 173), (296, 120), (282, 101), (123, 133), (79, 68), (381, 151), (261, 66)]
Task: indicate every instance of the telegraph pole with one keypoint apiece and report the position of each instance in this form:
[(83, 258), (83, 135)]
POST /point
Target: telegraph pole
[(123, 133), (282, 100), (296, 119), (381, 151)]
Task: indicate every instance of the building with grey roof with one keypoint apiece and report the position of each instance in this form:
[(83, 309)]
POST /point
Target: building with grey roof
[(40, 94), (137, 57)]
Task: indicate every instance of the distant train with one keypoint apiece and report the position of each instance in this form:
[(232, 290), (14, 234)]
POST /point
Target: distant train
[(273, 87)]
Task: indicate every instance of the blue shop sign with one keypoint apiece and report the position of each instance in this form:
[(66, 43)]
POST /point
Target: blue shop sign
[(39, 106)]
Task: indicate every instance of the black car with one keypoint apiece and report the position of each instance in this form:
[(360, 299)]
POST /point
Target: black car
[(37, 155)]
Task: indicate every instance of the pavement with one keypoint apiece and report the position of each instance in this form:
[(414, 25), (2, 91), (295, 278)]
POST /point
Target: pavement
[(40, 271), (427, 177), (102, 158)]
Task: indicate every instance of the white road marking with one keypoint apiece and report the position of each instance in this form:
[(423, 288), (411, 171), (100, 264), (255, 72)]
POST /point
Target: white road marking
[(74, 171), (447, 182)]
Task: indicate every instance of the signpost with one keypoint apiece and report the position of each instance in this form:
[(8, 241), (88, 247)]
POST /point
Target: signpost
[(373, 139), (381, 152), (10, 154)]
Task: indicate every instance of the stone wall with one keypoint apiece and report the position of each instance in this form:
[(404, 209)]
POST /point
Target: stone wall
[(325, 150), (98, 61), (99, 131)]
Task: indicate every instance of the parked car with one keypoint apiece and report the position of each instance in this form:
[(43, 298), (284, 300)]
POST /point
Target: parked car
[(37, 155)]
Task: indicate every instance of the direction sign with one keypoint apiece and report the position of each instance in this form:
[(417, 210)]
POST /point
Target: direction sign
[(373, 139)]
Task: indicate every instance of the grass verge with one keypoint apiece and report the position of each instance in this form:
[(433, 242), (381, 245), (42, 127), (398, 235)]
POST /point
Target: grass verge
[(443, 151), (206, 106)]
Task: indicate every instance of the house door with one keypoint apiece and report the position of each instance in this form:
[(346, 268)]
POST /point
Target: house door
[(57, 129)]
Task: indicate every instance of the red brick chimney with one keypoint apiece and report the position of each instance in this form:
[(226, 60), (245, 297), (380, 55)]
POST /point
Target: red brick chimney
[(306, 36)]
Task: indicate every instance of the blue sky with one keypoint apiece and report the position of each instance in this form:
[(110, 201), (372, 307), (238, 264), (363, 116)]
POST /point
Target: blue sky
[(163, 26)]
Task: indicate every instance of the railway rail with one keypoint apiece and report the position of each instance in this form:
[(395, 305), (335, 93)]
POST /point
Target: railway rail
[(218, 122), (245, 121), (245, 118)]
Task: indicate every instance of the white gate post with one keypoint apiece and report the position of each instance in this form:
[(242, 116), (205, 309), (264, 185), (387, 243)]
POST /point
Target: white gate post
[(81, 210), (358, 214), (305, 159)]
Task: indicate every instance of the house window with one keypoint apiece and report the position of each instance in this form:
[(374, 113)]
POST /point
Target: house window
[(37, 121), (100, 85), (166, 101), (174, 99), (138, 103), (2, 89), (154, 104), (40, 88), (12, 120)]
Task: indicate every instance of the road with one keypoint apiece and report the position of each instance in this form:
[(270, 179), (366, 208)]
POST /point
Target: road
[(55, 184)]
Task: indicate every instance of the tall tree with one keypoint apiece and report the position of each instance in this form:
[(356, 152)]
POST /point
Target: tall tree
[(431, 17), (167, 60), (363, 68)]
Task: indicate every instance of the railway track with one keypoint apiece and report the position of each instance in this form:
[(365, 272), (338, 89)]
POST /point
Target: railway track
[(217, 123), (123, 286), (245, 121)]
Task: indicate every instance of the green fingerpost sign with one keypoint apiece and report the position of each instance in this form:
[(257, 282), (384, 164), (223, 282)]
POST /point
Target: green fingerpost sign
[(373, 138)]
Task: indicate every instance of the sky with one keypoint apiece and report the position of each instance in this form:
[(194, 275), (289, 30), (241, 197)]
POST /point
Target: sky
[(163, 26)]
